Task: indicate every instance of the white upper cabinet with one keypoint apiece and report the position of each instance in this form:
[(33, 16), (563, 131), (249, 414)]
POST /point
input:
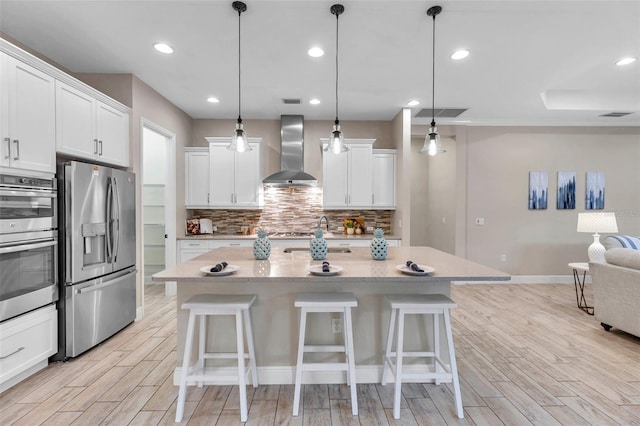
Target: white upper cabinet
[(235, 177), (27, 121), (196, 162), (90, 129), (346, 177), (384, 179)]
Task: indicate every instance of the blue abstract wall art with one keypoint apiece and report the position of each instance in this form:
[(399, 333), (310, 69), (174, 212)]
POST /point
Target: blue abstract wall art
[(566, 190), (538, 190), (594, 199)]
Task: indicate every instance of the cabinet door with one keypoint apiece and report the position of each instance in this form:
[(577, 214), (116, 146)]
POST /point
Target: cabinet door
[(28, 129), (384, 181), (334, 179), (359, 176), (197, 179), (221, 176), (75, 122), (112, 134), (248, 185)]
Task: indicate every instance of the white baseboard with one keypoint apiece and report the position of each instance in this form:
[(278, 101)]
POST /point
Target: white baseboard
[(23, 375), (285, 375), (139, 313), (529, 279)]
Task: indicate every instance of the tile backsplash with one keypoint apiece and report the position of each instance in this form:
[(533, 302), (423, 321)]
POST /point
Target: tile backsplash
[(294, 209)]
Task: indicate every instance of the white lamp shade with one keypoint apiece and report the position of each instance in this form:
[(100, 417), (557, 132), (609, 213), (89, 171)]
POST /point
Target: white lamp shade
[(597, 222)]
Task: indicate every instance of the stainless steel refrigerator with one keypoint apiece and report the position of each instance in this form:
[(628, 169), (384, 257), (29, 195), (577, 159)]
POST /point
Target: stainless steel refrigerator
[(97, 255)]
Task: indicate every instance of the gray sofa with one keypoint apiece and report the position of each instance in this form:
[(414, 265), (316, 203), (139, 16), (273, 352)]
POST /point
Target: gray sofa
[(616, 290)]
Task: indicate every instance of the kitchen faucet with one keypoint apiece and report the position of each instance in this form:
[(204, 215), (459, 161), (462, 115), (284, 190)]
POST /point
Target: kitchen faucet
[(320, 222)]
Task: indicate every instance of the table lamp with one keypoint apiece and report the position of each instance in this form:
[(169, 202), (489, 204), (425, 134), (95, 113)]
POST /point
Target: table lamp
[(596, 222)]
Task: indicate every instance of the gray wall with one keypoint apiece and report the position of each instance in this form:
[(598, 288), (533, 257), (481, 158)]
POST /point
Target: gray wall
[(492, 173)]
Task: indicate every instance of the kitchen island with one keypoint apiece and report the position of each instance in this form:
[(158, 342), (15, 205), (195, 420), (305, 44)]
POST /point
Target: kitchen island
[(276, 281)]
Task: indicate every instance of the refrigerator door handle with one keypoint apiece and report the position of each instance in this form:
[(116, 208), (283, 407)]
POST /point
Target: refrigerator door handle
[(97, 287), (116, 220), (108, 230)]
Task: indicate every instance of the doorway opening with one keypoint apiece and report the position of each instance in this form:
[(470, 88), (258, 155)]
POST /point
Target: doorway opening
[(158, 202)]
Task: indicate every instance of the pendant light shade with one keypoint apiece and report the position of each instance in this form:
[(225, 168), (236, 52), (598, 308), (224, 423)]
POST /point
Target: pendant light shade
[(239, 141), (336, 138), (432, 145)]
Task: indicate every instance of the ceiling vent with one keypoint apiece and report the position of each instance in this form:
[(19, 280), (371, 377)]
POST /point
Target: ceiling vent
[(615, 114), (441, 112), (291, 101)]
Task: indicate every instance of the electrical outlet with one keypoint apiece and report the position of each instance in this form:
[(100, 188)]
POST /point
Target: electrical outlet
[(369, 228), (336, 325)]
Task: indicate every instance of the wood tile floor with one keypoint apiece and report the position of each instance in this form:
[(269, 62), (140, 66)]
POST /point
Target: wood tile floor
[(526, 354)]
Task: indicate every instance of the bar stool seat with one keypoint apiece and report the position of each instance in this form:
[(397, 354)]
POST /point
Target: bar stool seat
[(326, 302), (435, 305), (203, 305)]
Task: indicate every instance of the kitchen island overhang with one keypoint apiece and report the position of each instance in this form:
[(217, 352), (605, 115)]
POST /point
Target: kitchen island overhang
[(276, 281)]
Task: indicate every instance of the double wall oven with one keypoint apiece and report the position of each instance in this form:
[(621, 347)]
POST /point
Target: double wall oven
[(28, 243)]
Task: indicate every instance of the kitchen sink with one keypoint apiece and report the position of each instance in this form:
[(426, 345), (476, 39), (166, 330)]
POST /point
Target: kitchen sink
[(329, 250)]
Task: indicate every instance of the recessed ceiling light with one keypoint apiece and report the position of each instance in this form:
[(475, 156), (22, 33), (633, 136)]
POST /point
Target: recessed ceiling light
[(314, 101), (460, 54), (213, 99), (163, 48), (626, 61), (413, 103), (315, 52)]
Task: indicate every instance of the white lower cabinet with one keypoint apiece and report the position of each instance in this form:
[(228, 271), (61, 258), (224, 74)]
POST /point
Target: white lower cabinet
[(360, 242), (188, 249), (26, 343)]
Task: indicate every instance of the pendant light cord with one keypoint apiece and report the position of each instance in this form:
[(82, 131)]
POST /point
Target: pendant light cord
[(337, 17), (433, 74), (239, 70)]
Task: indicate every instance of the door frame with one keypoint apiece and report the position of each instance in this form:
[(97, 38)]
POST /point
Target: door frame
[(169, 196)]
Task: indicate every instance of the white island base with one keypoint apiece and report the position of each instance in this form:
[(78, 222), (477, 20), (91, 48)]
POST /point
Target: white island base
[(275, 320)]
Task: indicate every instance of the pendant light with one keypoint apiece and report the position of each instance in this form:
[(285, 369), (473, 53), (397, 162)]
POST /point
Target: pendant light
[(239, 141), (432, 144), (336, 139)]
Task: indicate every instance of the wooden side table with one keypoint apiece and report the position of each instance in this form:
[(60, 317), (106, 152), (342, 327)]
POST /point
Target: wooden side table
[(579, 284)]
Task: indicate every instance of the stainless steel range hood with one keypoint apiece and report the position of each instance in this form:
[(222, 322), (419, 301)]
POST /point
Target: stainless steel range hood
[(291, 155)]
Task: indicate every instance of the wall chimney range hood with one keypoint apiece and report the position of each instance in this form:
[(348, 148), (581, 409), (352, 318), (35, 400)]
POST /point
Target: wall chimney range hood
[(291, 155)]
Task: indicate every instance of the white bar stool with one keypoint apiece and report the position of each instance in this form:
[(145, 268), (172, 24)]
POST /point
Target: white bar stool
[(203, 305), (420, 304), (326, 302)]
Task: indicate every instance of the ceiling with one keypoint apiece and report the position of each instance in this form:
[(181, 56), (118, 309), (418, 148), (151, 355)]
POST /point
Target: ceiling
[(531, 62)]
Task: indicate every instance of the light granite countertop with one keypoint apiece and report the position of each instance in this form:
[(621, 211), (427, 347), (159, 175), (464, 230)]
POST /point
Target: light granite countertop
[(358, 266), (327, 236)]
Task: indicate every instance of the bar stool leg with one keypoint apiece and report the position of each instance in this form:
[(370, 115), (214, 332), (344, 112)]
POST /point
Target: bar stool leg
[(242, 384), (399, 353), (345, 338), (201, 345), (436, 344), (301, 336), (352, 362), (252, 353), (185, 367), (387, 355), (454, 366)]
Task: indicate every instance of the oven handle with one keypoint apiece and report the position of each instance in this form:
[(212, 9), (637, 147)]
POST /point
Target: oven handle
[(24, 247), (28, 193)]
